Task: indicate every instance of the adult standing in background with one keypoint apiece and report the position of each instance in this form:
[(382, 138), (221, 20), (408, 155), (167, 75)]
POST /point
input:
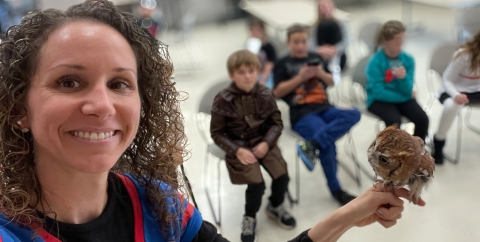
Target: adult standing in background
[(329, 34)]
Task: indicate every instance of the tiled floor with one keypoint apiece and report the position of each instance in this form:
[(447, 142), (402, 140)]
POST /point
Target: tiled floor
[(451, 213)]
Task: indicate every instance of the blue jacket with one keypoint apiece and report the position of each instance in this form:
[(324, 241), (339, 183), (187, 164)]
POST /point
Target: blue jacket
[(380, 87), (147, 229)]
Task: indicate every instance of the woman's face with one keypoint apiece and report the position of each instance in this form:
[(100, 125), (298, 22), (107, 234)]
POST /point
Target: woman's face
[(83, 105), (394, 46), (325, 9)]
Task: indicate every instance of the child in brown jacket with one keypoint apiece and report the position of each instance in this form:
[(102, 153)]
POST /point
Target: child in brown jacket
[(246, 124)]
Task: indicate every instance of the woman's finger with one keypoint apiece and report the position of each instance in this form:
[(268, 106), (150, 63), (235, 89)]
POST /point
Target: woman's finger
[(386, 223), (392, 213), (402, 192)]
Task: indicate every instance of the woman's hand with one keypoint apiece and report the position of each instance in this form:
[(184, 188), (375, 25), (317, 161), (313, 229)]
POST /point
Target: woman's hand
[(378, 205), (461, 99)]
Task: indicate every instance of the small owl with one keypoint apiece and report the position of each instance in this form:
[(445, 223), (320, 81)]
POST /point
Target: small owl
[(401, 159)]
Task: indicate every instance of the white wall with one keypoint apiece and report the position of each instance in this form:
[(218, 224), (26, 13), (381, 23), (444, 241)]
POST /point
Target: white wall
[(206, 10)]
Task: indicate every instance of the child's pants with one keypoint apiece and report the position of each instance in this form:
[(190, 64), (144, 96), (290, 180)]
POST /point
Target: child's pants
[(325, 128), (391, 113), (254, 194), (450, 111)]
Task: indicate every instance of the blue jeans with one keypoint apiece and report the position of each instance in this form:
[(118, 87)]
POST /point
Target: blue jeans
[(325, 128)]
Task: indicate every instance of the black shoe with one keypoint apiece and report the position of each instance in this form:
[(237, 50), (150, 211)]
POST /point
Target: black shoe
[(248, 229), (308, 153), (280, 214), (343, 197), (438, 150)]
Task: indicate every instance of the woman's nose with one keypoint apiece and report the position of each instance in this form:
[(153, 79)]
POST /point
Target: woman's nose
[(99, 102)]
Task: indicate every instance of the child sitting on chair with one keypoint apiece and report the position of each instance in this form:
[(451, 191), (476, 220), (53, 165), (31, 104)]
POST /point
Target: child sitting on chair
[(461, 86), (246, 124)]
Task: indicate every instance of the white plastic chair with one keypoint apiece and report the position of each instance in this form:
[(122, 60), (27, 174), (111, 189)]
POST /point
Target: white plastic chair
[(358, 91), (368, 35), (203, 124), (349, 150)]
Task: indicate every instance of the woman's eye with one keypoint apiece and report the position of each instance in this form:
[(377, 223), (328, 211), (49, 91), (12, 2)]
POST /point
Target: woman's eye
[(119, 85), (69, 83)]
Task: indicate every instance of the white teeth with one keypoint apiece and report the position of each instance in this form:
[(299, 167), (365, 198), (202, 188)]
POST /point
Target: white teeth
[(93, 135)]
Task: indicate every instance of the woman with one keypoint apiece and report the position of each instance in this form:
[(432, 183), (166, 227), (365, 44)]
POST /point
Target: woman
[(87, 152), (390, 74), (329, 34), (461, 84)]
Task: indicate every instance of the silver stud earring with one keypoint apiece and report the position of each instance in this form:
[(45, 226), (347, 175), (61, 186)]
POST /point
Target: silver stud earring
[(24, 130)]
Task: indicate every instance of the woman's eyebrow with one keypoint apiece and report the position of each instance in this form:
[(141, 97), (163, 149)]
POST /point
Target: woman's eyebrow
[(79, 67), (121, 69), (76, 67)]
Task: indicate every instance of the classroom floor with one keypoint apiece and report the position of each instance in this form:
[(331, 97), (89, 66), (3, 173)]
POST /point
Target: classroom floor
[(450, 214)]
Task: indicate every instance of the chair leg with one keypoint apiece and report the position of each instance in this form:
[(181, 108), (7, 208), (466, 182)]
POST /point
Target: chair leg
[(297, 183), (353, 155), (207, 192), (377, 126), (469, 124), (219, 193)]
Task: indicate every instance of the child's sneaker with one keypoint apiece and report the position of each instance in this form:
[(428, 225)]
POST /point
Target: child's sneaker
[(342, 197), (248, 229), (280, 214), (308, 153)]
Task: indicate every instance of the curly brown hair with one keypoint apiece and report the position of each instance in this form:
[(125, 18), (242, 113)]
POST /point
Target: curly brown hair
[(158, 147), (472, 47)]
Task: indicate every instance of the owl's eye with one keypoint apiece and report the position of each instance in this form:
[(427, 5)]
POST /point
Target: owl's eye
[(383, 159)]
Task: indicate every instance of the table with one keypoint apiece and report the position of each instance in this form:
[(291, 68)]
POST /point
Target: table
[(449, 3), (281, 14)]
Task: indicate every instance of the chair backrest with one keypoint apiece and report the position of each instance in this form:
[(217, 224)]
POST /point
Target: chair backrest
[(359, 75), (369, 34), (442, 56), (207, 98), (468, 19)]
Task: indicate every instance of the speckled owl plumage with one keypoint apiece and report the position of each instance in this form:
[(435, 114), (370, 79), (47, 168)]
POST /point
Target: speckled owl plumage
[(401, 159)]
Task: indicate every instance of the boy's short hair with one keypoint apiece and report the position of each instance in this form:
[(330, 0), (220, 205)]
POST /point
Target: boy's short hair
[(297, 28), (242, 57)]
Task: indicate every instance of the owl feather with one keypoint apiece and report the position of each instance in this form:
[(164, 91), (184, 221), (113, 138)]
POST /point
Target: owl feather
[(401, 159)]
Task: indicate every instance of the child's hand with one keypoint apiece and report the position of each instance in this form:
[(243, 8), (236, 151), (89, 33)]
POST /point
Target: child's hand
[(308, 72), (246, 157), (461, 99), (260, 150), (400, 72)]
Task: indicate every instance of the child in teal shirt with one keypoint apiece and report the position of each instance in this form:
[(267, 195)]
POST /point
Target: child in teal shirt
[(390, 75)]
